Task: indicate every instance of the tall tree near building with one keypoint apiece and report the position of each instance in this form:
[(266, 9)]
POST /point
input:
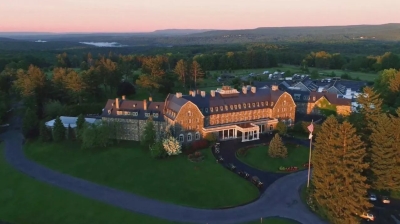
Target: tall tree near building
[(276, 148), (30, 82), (59, 130), (44, 132), (80, 125), (181, 69), (29, 123), (152, 73), (338, 186), (385, 151), (196, 72), (75, 85), (149, 134)]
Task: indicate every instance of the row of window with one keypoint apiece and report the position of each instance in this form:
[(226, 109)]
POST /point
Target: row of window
[(135, 113), (298, 97), (189, 137), (237, 106)]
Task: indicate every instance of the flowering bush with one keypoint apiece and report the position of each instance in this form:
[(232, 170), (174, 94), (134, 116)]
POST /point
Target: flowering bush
[(172, 146)]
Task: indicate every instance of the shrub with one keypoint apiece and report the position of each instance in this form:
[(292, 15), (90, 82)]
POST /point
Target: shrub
[(172, 146), (53, 109), (243, 151), (210, 137), (58, 130), (45, 133), (95, 136), (201, 144), (157, 150)]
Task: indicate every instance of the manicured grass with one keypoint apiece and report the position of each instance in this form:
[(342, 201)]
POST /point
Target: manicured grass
[(258, 157), (274, 220), (127, 167), (24, 200)]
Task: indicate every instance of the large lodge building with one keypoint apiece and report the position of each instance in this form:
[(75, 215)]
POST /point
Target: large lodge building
[(226, 113)]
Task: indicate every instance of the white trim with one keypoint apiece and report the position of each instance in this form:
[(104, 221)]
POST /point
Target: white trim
[(181, 136), (197, 136), (191, 137)]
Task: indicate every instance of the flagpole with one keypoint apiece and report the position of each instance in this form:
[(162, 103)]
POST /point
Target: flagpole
[(309, 156)]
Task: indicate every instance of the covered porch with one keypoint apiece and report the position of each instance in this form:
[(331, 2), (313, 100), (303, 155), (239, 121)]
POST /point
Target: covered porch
[(247, 131)]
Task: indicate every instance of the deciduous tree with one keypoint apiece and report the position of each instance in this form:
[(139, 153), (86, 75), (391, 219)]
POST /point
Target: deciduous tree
[(276, 147), (30, 82), (181, 70), (29, 122), (196, 72), (149, 134), (339, 188)]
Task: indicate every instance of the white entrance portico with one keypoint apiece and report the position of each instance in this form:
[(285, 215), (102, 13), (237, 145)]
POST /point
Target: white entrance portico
[(247, 131)]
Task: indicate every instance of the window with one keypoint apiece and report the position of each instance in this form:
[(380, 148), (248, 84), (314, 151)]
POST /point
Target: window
[(258, 104), (189, 137), (197, 120), (272, 104), (266, 103), (206, 110), (147, 114), (221, 108), (190, 121), (284, 103), (248, 105), (231, 106), (181, 137), (290, 122), (297, 96), (135, 113), (197, 136), (226, 107), (278, 110), (216, 109), (244, 106), (197, 127), (238, 106), (254, 105), (189, 113), (155, 115), (262, 104), (271, 127), (305, 97), (211, 109), (313, 98)]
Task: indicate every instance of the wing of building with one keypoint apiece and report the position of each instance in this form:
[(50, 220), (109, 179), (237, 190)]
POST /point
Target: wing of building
[(227, 113)]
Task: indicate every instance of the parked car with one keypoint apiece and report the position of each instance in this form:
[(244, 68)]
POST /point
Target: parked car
[(367, 216), (243, 174), (231, 166), (256, 181), (385, 200), (220, 159), (372, 197)]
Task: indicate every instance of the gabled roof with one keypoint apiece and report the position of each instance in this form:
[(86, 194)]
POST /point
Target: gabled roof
[(308, 97), (130, 106)]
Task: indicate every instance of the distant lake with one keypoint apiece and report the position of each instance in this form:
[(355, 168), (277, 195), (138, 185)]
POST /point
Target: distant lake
[(104, 44)]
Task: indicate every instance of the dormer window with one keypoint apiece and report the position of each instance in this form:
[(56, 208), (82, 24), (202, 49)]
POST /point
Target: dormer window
[(155, 114), (254, 105), (206, 110), (262, 104), (272, 103), (134, 105), (226, 107), (147, 114), (258, 104), (244, 106), (266, 103), (313, 98), (248, 105), (231, 106), (216, 109), (221, 108), (236, 106), (211, 109), (284, 103), (157, 106), (135, 113)]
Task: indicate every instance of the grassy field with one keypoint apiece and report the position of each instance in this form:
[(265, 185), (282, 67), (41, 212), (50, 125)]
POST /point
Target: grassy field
[(20, 196), (127, 167), (258, 157), (296, 69)]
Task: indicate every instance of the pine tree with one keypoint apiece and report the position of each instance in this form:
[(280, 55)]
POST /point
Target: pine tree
[(44, 133), (149, 134), (339, 188), (80, 123), (58, 130), (276, 148), (385, 168), (71, 133), (370, 108)]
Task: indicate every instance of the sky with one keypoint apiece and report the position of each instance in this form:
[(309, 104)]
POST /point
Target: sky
[(148, 15)]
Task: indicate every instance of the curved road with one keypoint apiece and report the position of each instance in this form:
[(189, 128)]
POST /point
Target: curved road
[(281, 198)]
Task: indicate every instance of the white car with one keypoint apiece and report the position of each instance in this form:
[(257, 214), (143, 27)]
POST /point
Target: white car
[(372, 197), (367, 216)]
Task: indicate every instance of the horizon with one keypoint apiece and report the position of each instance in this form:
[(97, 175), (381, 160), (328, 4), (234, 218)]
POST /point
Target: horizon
[(101, 16)]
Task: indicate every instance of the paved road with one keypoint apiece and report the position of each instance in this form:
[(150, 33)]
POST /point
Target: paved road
[(281, 198)]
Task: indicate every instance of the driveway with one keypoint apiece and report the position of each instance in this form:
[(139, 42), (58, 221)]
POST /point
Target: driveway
[(281, 198)]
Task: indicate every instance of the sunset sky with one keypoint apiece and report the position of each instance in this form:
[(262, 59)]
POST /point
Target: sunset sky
[(149, 15)]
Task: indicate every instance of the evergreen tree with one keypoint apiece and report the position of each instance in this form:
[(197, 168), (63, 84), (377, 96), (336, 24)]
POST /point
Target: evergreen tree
[(149, 134), (29, 122), (80, 123), (385, 168), (276, 148), (370, 108), (339, 188), (58, 130), (44, 133), (71, 133)]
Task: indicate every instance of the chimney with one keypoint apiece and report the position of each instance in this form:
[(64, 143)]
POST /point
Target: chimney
[(244, 90), (198, 91), (178, 95), (274, 87), (190, 92), (123, 97), (193, 93), (117, 103), (150, 99), (144, 104), (203, 93), (212, 93), (253, 89)]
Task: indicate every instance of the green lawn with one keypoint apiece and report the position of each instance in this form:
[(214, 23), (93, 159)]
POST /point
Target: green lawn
[(258, 157), (27, 201), (127, 167)]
